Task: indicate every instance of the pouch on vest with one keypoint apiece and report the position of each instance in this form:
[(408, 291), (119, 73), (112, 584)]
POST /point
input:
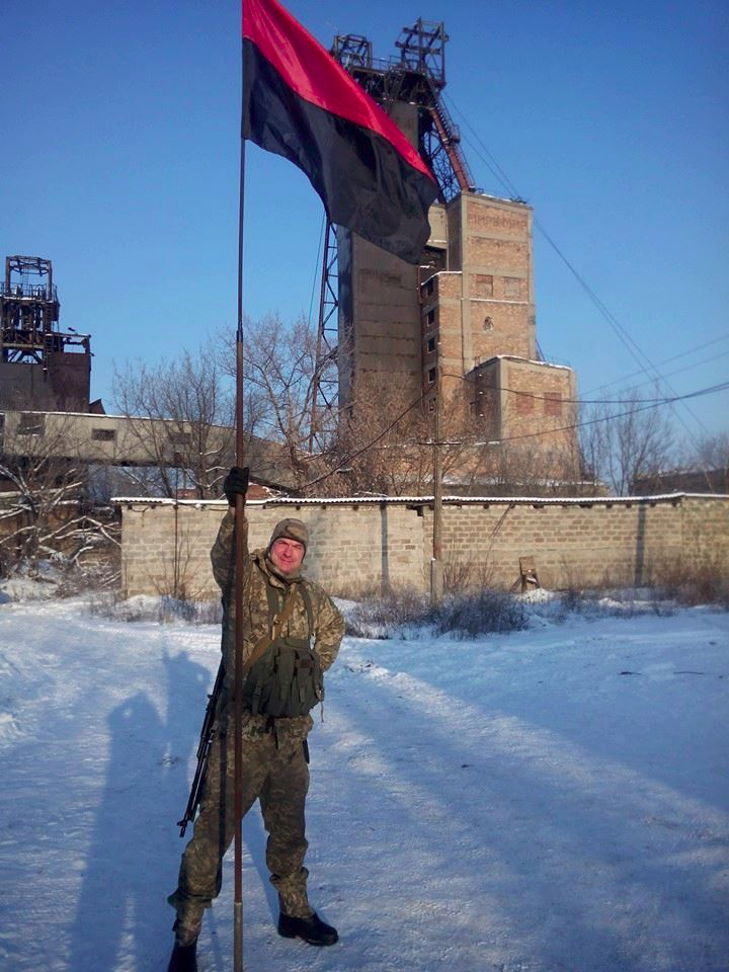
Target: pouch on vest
[(287, 679)]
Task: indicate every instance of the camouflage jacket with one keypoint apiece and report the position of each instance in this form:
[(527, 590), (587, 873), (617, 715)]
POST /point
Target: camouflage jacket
[(259, 573)]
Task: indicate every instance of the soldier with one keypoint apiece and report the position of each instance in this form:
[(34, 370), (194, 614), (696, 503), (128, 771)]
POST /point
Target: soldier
[(276, 723)]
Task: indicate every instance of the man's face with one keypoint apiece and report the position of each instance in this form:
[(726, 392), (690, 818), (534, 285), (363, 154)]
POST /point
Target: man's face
[(286, 555)]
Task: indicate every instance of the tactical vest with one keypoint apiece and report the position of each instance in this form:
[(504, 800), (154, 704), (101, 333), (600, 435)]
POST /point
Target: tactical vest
[(287, 679)]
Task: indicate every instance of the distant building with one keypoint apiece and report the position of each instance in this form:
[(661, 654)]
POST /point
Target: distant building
[(683, 481), (462, 324)]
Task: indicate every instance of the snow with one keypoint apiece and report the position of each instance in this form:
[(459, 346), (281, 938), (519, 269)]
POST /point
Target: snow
[(552, 799)]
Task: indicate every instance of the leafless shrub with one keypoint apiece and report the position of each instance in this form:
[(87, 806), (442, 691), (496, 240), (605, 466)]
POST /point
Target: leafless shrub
[(75, 580), (160, 610), (692, 584), (465, 616), (381, 617), (461, 576), (480, 613)]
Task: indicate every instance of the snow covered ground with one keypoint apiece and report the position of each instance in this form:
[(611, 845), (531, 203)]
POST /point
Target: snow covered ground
[(553, 799)]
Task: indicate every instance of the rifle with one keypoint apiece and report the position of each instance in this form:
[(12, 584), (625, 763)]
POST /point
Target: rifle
[(207, 734)]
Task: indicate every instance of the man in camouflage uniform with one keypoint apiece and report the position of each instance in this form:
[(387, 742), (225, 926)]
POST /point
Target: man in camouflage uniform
[(275, 753)]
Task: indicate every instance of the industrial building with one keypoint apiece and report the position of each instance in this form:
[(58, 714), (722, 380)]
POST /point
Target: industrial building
[(42, 368), (456, 332), (461, 325)]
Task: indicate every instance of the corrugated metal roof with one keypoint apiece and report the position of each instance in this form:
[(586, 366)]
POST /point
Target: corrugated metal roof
[(425, 500)]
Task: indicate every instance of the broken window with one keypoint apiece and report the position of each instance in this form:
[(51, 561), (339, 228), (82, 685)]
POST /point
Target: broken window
[(482, 285), (552, 403), (31, 424), (514, 288)]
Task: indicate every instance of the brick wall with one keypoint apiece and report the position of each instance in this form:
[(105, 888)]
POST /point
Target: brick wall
[(359, 545)]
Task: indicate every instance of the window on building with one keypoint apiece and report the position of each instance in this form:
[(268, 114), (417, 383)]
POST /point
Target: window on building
[(181, 438), (514, 288), (103, 435), (430, 316), (524, 403), (552, 403), (434, 257), (482, 285), (431, 344), (488, 323), (31, 424), (429, 287), (431, 375)]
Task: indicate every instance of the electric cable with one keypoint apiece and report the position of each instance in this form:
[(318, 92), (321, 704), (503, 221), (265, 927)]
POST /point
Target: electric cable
[(710, 390), (642, 359), (675, 357)]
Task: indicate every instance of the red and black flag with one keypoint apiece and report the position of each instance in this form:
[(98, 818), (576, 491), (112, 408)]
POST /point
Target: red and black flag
[(300, 103)]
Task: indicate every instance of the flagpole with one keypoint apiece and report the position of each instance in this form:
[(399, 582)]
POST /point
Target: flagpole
[(239, 559)]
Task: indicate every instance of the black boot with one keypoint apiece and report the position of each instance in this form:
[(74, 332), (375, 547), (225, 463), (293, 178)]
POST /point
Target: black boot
[(183, 958), (313, 930)]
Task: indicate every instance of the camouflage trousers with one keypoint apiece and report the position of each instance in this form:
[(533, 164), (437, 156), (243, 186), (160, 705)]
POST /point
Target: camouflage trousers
[(276, 773)]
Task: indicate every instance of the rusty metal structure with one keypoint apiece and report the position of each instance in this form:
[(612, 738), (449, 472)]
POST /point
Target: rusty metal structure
[(416, 77), (41, 367), (409, 87)]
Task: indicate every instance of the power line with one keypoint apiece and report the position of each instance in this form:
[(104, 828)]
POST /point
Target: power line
[(354, 455), (678, 371), (675, 357), (317, 267), (713, 389), (665, 400), (642, 359)]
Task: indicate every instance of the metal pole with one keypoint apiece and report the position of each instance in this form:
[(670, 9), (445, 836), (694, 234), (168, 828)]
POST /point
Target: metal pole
[(239, 557), (436, 564)]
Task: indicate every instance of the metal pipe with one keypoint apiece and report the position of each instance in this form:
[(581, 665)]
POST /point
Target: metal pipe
[(239, 566)]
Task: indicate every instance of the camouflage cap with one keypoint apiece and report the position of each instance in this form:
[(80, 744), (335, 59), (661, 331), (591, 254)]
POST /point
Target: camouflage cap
[(291, 529)]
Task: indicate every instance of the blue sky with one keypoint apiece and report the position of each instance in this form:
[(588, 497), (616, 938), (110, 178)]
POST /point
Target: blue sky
[(120, 163)]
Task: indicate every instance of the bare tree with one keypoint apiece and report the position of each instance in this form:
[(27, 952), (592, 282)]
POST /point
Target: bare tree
[(627, 438), (712, 458), (381, 442), (181, 414), (703, 464), (288, 432), (46, 506), (386, 439)]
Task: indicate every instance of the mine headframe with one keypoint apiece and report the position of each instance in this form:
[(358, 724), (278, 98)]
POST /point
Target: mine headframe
[(41, 367), (29, 313), (416, 76)]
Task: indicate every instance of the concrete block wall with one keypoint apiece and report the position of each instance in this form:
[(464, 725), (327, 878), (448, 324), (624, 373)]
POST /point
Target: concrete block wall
[(705, 531), (368, 545), (584, 544), (166, 546)]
